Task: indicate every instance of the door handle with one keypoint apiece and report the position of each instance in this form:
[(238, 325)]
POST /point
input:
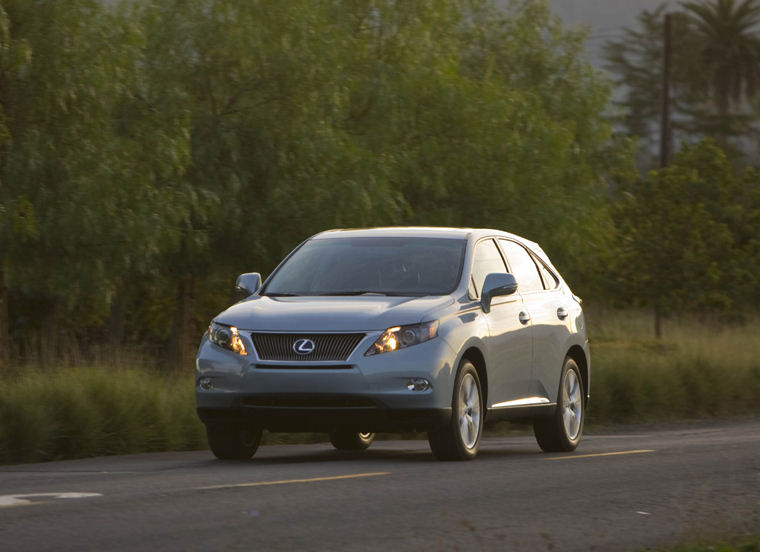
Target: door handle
[(561, 313), (524, 318)]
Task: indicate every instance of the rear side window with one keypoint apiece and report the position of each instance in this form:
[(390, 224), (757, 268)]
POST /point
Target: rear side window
[(550, 280), (523, 267), (487, 259)]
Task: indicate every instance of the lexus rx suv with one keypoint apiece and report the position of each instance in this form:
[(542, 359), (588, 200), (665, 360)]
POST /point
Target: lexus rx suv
[(395, 329)]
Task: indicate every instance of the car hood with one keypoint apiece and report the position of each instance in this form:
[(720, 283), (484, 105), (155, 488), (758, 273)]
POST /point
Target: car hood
[(331, 314)]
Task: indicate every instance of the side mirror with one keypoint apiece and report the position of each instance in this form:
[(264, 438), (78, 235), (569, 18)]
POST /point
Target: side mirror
[(248, 283), (496, 283)]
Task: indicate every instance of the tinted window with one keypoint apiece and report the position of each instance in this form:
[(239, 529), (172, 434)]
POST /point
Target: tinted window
[(351, 266), (487, 259), (523, 267)]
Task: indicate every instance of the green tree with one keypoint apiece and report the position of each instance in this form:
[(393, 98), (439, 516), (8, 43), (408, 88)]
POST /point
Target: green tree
[(9, 53), (78, 164), (261, 83), (687, 243), (489, 117), (532, 151), (172, 144)]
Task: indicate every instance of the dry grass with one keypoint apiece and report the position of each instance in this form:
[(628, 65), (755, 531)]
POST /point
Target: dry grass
[(698, 369)]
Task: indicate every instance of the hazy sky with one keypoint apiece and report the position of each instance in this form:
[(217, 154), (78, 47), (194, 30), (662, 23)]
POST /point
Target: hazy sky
[(606, 18)]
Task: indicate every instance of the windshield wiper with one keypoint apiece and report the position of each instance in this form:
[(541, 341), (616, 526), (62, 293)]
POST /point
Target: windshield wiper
[(282, 295)]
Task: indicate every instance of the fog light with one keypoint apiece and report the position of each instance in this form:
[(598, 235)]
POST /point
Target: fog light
[(205, 383), (418, 384)]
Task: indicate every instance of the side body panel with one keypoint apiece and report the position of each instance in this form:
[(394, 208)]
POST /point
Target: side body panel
[(509, 347), (552, 334)]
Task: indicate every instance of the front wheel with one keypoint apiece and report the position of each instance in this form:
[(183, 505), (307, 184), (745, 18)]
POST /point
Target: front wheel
[(233, 442), (351, 440), (562, 431), (460, 438)]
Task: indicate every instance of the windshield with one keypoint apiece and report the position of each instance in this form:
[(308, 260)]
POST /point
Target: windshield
[(384, 266)]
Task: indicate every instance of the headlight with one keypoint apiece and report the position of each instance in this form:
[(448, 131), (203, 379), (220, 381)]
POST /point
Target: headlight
[(226, 337), (400, 337)]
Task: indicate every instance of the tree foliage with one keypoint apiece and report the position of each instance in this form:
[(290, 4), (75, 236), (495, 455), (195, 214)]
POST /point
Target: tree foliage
[(153, 150), (689, 235), (81, 205)]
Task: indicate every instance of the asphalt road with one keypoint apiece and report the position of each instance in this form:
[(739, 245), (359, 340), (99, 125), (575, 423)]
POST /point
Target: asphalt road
[(618, 491)]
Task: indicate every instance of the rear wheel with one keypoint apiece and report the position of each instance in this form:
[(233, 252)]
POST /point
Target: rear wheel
[(351, 440), (562, 431), (460, 438), (233, 442)]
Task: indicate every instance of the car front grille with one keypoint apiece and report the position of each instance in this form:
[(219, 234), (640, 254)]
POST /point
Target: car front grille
[(304, 366), (327, 347)]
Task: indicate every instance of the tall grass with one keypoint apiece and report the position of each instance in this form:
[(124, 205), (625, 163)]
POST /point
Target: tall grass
[(700, 368), (90, 411)]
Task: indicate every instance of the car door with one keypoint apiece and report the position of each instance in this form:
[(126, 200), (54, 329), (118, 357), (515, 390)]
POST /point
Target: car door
[(509, 343), (543, 301)]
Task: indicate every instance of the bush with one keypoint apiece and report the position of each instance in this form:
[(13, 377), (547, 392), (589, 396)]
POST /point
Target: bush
[(78, 412)]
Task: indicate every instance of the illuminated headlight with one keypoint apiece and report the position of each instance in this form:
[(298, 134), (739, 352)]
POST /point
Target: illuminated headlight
[(400, 337), (226, 337)]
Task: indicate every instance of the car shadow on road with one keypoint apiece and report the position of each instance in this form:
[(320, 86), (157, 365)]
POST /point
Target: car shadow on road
[(369, 457)]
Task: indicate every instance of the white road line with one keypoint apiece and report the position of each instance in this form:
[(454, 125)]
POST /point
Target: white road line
[(7, 501)]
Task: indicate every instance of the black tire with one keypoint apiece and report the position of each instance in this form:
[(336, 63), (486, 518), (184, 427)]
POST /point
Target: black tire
[(351, 440), (562, 431), (460, 438), (233, 442)]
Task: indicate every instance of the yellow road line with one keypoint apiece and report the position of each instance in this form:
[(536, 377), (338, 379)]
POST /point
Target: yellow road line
[(287, 481), (620, 453)]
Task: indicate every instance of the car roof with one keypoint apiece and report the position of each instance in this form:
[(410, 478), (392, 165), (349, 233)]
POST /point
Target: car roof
[(416, 232)]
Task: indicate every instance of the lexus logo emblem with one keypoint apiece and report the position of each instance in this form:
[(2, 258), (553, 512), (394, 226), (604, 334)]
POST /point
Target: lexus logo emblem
[(303, 346)]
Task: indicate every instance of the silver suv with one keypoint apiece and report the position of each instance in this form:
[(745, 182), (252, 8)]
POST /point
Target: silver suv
[(394, 329)]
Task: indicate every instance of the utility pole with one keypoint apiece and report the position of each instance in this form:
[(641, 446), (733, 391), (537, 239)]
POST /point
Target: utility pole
[(666, 138)]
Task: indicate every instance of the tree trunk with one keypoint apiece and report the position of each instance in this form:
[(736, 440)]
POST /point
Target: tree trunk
[(5, 342), (116, 315), (723, 126), (657, 323), (49, 338), (183, 331)]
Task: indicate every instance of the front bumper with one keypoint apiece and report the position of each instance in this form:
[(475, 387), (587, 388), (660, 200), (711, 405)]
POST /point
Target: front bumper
[(362, 419), (362, 393)]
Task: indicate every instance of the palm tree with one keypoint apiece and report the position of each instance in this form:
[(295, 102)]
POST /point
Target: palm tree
[(730, 48)]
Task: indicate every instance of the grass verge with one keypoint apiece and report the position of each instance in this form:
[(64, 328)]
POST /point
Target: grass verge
[(696, 371), (93, 411)]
